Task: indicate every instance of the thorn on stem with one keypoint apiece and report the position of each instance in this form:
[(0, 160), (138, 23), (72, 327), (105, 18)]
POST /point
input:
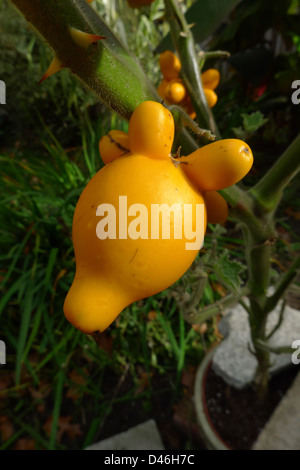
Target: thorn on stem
[(54, 67), (84, 39)]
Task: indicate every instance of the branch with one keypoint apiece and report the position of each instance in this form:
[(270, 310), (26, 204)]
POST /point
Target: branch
[(235, 195), (106, 67), (213, 310), (280, 320), (269, 189), (181, 119), (190, 72), (274, 349), (286, 280)]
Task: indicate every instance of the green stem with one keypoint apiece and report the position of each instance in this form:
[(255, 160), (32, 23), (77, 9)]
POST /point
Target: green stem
[(237, 198), (275, 349), (279, 322), (268, 190), (182, 119), (190, 71), (197, 317), (259, 235), (106, 67), (284, 283), (258, 252), (204, 55)]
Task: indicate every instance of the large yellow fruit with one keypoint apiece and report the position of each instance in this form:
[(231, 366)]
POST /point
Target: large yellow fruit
[(113, 273), (141, 220)]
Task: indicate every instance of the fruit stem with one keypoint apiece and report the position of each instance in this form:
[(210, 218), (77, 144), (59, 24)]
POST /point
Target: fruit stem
[(190, 72)]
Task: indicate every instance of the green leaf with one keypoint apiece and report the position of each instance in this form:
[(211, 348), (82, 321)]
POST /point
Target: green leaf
[(240, 133), (205, 16), (254, 121), (228, 271)]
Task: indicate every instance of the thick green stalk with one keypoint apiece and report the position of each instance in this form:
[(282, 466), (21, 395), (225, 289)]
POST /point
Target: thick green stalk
[(105, 67), (259, 233), (190, 72), (268, 190)]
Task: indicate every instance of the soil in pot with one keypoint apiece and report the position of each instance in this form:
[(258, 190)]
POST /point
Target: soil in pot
[(237, 415)]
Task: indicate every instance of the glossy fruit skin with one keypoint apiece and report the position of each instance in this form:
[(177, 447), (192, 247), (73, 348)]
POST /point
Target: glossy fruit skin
[(113, 145), (218, 165), (151, 130), (170, 65), (175, 91), (216, 207), (172, 88), (113, 273), (210, 79), (211, 97)]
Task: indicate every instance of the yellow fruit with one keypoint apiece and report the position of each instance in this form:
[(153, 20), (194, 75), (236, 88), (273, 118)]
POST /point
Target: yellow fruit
[(216, 207), (113, 145), (219, 164), (151, 130), (211, 97), (113, 273), (141, 220), (170, 65), (175, 91), (210, 78), (161, 90)]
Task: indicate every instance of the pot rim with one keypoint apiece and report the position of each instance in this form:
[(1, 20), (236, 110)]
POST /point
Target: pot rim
[(211, 435)]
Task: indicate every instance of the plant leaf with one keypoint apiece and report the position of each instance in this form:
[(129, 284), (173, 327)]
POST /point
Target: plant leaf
[(240, 133), (254, 121), (228, 271)]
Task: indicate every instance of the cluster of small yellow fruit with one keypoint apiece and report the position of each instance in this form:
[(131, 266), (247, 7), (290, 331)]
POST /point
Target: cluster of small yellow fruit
[(173, 90)]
